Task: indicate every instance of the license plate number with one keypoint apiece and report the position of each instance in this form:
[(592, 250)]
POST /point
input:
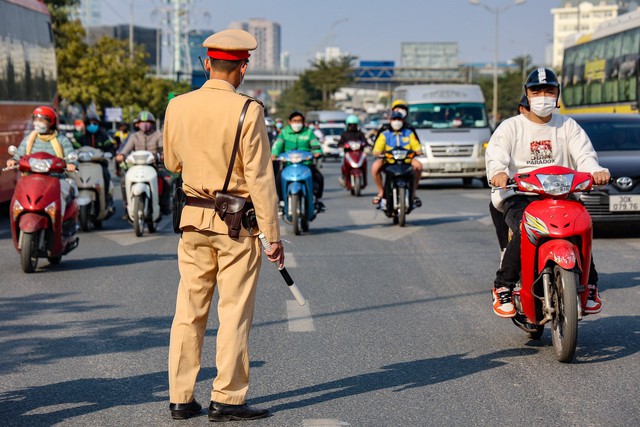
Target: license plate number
[(452, 167), (626, 203)]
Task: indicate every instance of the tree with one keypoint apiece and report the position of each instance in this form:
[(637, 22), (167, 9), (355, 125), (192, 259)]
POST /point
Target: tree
[(316, 86)]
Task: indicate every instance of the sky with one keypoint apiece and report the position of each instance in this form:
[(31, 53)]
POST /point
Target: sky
[(373, 29)]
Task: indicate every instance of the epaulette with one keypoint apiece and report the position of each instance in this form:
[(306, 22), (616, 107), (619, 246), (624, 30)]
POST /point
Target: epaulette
[(253, 99)]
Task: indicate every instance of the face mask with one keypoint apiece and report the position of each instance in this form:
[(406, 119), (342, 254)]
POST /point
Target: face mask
[(296, 127), (542, 106), (92, 128), (40, 127), (279, 125), (396, 124), (312, 127)]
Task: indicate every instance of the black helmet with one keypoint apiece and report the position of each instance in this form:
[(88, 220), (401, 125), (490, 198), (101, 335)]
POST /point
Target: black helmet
[(91, 116), (524, 101), (296, 114), (541, 77)]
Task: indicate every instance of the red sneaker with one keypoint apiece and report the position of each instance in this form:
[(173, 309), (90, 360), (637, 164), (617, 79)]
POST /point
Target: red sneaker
[(503, 302), (594, 304)]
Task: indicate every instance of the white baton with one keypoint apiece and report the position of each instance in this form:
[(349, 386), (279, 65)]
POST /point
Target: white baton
[(285, 274)]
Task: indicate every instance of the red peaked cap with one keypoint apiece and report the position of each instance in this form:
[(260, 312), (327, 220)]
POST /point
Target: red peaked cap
[(228, 55)]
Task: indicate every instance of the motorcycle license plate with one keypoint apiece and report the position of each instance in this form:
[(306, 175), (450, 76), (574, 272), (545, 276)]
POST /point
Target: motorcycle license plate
[(624, 203)]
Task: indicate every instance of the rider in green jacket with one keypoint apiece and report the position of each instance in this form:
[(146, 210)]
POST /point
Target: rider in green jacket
[(297, 136)]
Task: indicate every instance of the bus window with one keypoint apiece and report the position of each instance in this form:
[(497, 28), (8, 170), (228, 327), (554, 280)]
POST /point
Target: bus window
[(612, 67), (629, 52)]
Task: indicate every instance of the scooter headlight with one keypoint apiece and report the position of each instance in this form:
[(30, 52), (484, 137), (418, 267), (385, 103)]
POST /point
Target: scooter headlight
[(40, 165), (355, 145), (556, 185), (295, 157), (16, 209), (85, 156), (399, 154)]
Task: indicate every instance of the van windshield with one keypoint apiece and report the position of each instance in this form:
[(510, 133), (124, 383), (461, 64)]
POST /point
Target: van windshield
[(463, 115)]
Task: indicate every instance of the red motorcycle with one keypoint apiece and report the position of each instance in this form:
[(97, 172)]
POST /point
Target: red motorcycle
[(555, 256), (43, 225), (354, 167)]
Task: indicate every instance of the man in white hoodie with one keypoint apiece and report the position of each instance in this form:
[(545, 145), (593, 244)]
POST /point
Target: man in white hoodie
[(522, 144)]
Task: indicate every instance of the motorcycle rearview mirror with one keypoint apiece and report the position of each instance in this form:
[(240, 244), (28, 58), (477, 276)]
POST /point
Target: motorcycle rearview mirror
[(12, 150)]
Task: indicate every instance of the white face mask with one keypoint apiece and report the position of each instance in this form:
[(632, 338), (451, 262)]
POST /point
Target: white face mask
[(40, 127), (542, 106), (396, 124), (296, 127)]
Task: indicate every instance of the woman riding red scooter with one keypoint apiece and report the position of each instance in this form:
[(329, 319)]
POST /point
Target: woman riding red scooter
[(44, 211), (354, 163)]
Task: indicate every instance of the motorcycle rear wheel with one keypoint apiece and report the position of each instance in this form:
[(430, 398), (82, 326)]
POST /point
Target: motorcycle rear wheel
[(295, 214), (402, 214), (138, 215), (29, 252), (564, 326)]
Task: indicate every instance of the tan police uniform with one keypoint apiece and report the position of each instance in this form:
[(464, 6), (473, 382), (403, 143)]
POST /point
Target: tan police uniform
[(199, 133)]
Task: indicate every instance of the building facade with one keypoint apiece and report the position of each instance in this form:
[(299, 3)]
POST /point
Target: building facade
[(582, 17), (266, 57), (147, 38)]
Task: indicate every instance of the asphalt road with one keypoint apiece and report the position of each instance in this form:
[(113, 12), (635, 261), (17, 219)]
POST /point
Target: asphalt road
[(398, 330)]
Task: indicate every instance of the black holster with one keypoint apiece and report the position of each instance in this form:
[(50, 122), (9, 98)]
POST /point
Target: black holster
[(230, 209), (179, 201)]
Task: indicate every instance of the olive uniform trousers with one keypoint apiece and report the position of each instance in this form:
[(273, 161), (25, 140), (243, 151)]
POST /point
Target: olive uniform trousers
[(207, 259)]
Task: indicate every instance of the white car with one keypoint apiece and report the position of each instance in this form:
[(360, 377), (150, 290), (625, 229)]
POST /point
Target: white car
[(329, 143)]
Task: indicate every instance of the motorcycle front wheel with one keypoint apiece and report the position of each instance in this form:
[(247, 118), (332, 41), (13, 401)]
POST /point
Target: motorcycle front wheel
[(295, 213), (85, 213), (29, 252), (402, 206), (357, 187), (564, 326), (138, 215)]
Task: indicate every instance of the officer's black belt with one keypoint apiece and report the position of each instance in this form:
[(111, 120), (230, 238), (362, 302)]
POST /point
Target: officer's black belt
[(201, 203)]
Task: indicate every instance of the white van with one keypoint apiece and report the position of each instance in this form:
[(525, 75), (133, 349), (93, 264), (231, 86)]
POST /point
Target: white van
[(453, 127)]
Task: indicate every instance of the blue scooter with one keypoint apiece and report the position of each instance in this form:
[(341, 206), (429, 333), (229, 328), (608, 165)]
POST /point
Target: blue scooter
[(297, 188)]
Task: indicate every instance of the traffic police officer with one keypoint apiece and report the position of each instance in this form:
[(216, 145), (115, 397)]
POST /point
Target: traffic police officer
[(199, 132)]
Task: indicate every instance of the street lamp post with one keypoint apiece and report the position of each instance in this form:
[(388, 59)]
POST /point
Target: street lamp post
[(496, 11)]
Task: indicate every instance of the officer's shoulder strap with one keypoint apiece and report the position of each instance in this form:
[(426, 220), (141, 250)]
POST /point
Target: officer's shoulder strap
[(260, 103)]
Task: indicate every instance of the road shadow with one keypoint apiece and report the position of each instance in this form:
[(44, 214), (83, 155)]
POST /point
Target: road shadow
[(624, 280), (107, 261), (26, 339), (398, 376), (607, 339)]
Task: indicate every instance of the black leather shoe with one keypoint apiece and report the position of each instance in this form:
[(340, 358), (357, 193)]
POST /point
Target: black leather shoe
[(182, 411), (220, 412)]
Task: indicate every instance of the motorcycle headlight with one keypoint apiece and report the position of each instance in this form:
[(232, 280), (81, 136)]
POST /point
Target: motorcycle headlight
[(40, 165), (399, 154), (85, 156), (354, 145), (141, 158), (295, 158), (556, 185)]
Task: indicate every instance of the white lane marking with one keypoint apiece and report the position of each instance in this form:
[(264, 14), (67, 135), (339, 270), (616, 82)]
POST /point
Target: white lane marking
[(128, 237), (299, 317), (486, 220), (324, 423)]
